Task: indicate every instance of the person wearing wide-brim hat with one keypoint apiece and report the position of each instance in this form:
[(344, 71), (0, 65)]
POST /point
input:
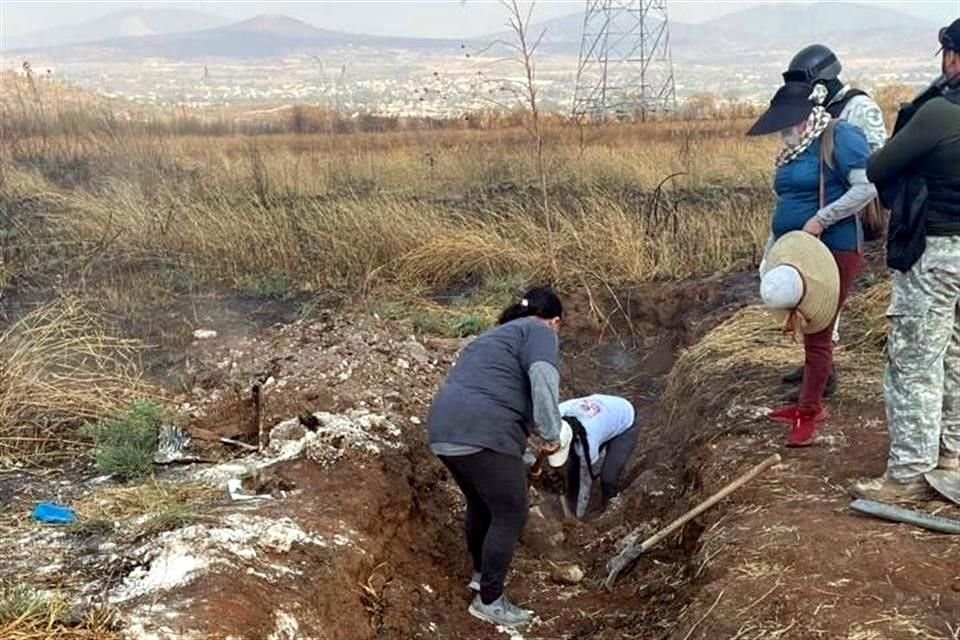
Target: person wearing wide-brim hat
[(820, 181)]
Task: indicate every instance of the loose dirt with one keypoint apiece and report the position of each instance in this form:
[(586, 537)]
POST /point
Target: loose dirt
[(366, 543)]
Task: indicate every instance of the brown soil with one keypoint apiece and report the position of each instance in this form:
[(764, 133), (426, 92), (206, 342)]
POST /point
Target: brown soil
[(782, 558), (785, 557)]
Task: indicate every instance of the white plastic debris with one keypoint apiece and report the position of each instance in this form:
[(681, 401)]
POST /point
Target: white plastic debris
[(204, 334), (237, 494), (172, 442)]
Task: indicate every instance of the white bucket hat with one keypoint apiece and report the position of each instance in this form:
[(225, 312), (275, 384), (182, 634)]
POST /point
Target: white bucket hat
[(559, 457)]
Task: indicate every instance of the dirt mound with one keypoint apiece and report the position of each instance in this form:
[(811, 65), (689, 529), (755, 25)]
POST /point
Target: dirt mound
[(347, 527), (784, 557)]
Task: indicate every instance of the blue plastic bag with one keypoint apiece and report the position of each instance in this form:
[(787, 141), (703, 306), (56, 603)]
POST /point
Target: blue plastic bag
[(53, 513)]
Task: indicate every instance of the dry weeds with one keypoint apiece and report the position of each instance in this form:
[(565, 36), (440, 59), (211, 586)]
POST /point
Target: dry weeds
[(59, 368)]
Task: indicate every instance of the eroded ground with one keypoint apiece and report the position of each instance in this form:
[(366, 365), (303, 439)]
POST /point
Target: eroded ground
[(356, 533)]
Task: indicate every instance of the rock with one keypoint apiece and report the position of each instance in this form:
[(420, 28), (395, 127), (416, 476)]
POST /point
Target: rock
[(541, 534), (402, 364), (567, 573), (287, 431), (417, 352)]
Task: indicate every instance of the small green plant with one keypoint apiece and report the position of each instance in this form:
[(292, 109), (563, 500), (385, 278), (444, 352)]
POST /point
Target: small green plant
[(18, 600), (268, 286), (126, 443), (470, 325)]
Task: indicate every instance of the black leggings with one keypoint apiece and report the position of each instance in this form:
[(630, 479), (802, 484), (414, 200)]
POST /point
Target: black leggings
[(619, 450), (495, 486)]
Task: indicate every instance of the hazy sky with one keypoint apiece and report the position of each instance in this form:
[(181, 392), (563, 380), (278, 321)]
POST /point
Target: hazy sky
[(428, 18)]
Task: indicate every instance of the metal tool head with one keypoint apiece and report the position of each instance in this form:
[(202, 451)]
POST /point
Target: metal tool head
[(946, 482)]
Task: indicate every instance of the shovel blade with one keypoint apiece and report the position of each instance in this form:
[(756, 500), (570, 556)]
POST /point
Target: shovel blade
[(946, 483)]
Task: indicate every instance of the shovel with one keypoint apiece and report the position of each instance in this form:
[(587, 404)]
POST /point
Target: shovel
[(633, 551), (946, 482)]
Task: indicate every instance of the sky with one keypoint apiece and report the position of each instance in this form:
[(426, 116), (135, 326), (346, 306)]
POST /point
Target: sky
[(424, 18)]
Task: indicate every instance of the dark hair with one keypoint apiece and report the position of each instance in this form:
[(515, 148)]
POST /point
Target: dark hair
[(540, 302), (580, 434)]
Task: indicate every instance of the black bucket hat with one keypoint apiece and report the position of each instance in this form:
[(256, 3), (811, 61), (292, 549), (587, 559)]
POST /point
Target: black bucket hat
[(790, 105), (949, 37)]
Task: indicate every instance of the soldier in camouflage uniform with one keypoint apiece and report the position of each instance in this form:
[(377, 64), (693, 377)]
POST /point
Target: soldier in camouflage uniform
[(922, 380)]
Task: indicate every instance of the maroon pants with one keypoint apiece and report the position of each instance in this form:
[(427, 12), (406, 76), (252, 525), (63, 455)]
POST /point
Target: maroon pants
[(818, 347)]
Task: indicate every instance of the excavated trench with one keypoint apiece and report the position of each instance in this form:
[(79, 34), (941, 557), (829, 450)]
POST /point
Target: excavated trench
[(410, 581), (397, 568)]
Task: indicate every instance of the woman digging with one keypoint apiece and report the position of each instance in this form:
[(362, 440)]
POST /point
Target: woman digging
[(821, 184), (604, 438), (504, 380)]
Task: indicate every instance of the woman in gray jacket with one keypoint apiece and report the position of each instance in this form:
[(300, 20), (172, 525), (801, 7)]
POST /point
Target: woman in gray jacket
[(504, 380)]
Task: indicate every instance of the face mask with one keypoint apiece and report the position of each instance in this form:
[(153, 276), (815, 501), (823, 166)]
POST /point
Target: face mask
[(791, 137)]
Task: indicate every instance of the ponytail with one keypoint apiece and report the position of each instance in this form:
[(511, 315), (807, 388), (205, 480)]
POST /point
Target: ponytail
[(580, 434), (540, 302)]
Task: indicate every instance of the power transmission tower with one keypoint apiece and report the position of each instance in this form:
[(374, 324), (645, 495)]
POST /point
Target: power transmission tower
[(625, 64)]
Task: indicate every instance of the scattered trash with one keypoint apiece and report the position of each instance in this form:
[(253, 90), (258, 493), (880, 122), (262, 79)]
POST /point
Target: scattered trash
[(52, 513), (908, 516), (567, 573), (237, 494), (946, 482), (172, 442), (204, 334)]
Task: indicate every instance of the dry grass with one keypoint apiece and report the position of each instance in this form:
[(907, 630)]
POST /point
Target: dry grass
[(866, 317), (60, 367), (134, 216), (751, 348), (149, 508), (26, 614)]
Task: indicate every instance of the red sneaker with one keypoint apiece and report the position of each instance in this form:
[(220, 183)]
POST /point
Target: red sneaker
[(804, 429), (788, 414)]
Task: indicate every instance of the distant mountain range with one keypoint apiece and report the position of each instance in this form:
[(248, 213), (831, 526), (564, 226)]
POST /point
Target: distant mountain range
[(265, 36), (133, 23), (737, 37), (863, 29)]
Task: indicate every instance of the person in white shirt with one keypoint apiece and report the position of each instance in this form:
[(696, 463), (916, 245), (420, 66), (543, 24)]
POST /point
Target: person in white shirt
[(604, 437)]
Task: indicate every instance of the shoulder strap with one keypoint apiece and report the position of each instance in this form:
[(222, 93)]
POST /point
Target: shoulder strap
[(826, 156), (836, 108)]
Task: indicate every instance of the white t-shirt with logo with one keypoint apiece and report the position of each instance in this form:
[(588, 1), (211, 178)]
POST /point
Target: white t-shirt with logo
[(603, 418)]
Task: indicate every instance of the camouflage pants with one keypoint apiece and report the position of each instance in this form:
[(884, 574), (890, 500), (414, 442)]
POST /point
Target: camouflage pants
[(922, 379)]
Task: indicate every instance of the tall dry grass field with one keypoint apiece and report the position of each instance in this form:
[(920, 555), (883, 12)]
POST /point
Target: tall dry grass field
[(128, 209)]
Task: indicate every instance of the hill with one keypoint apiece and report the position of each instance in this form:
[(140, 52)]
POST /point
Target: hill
[(264, 36), (122, 24), (767, 28)]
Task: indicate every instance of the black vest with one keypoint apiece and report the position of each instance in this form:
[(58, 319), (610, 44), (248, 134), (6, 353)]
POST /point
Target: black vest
[(911, 195)]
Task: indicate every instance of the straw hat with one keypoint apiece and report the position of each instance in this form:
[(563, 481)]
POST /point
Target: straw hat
[(800, 282)]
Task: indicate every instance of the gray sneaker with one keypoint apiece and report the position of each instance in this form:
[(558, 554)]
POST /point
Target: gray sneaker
[(474, 584), (501, 611)]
